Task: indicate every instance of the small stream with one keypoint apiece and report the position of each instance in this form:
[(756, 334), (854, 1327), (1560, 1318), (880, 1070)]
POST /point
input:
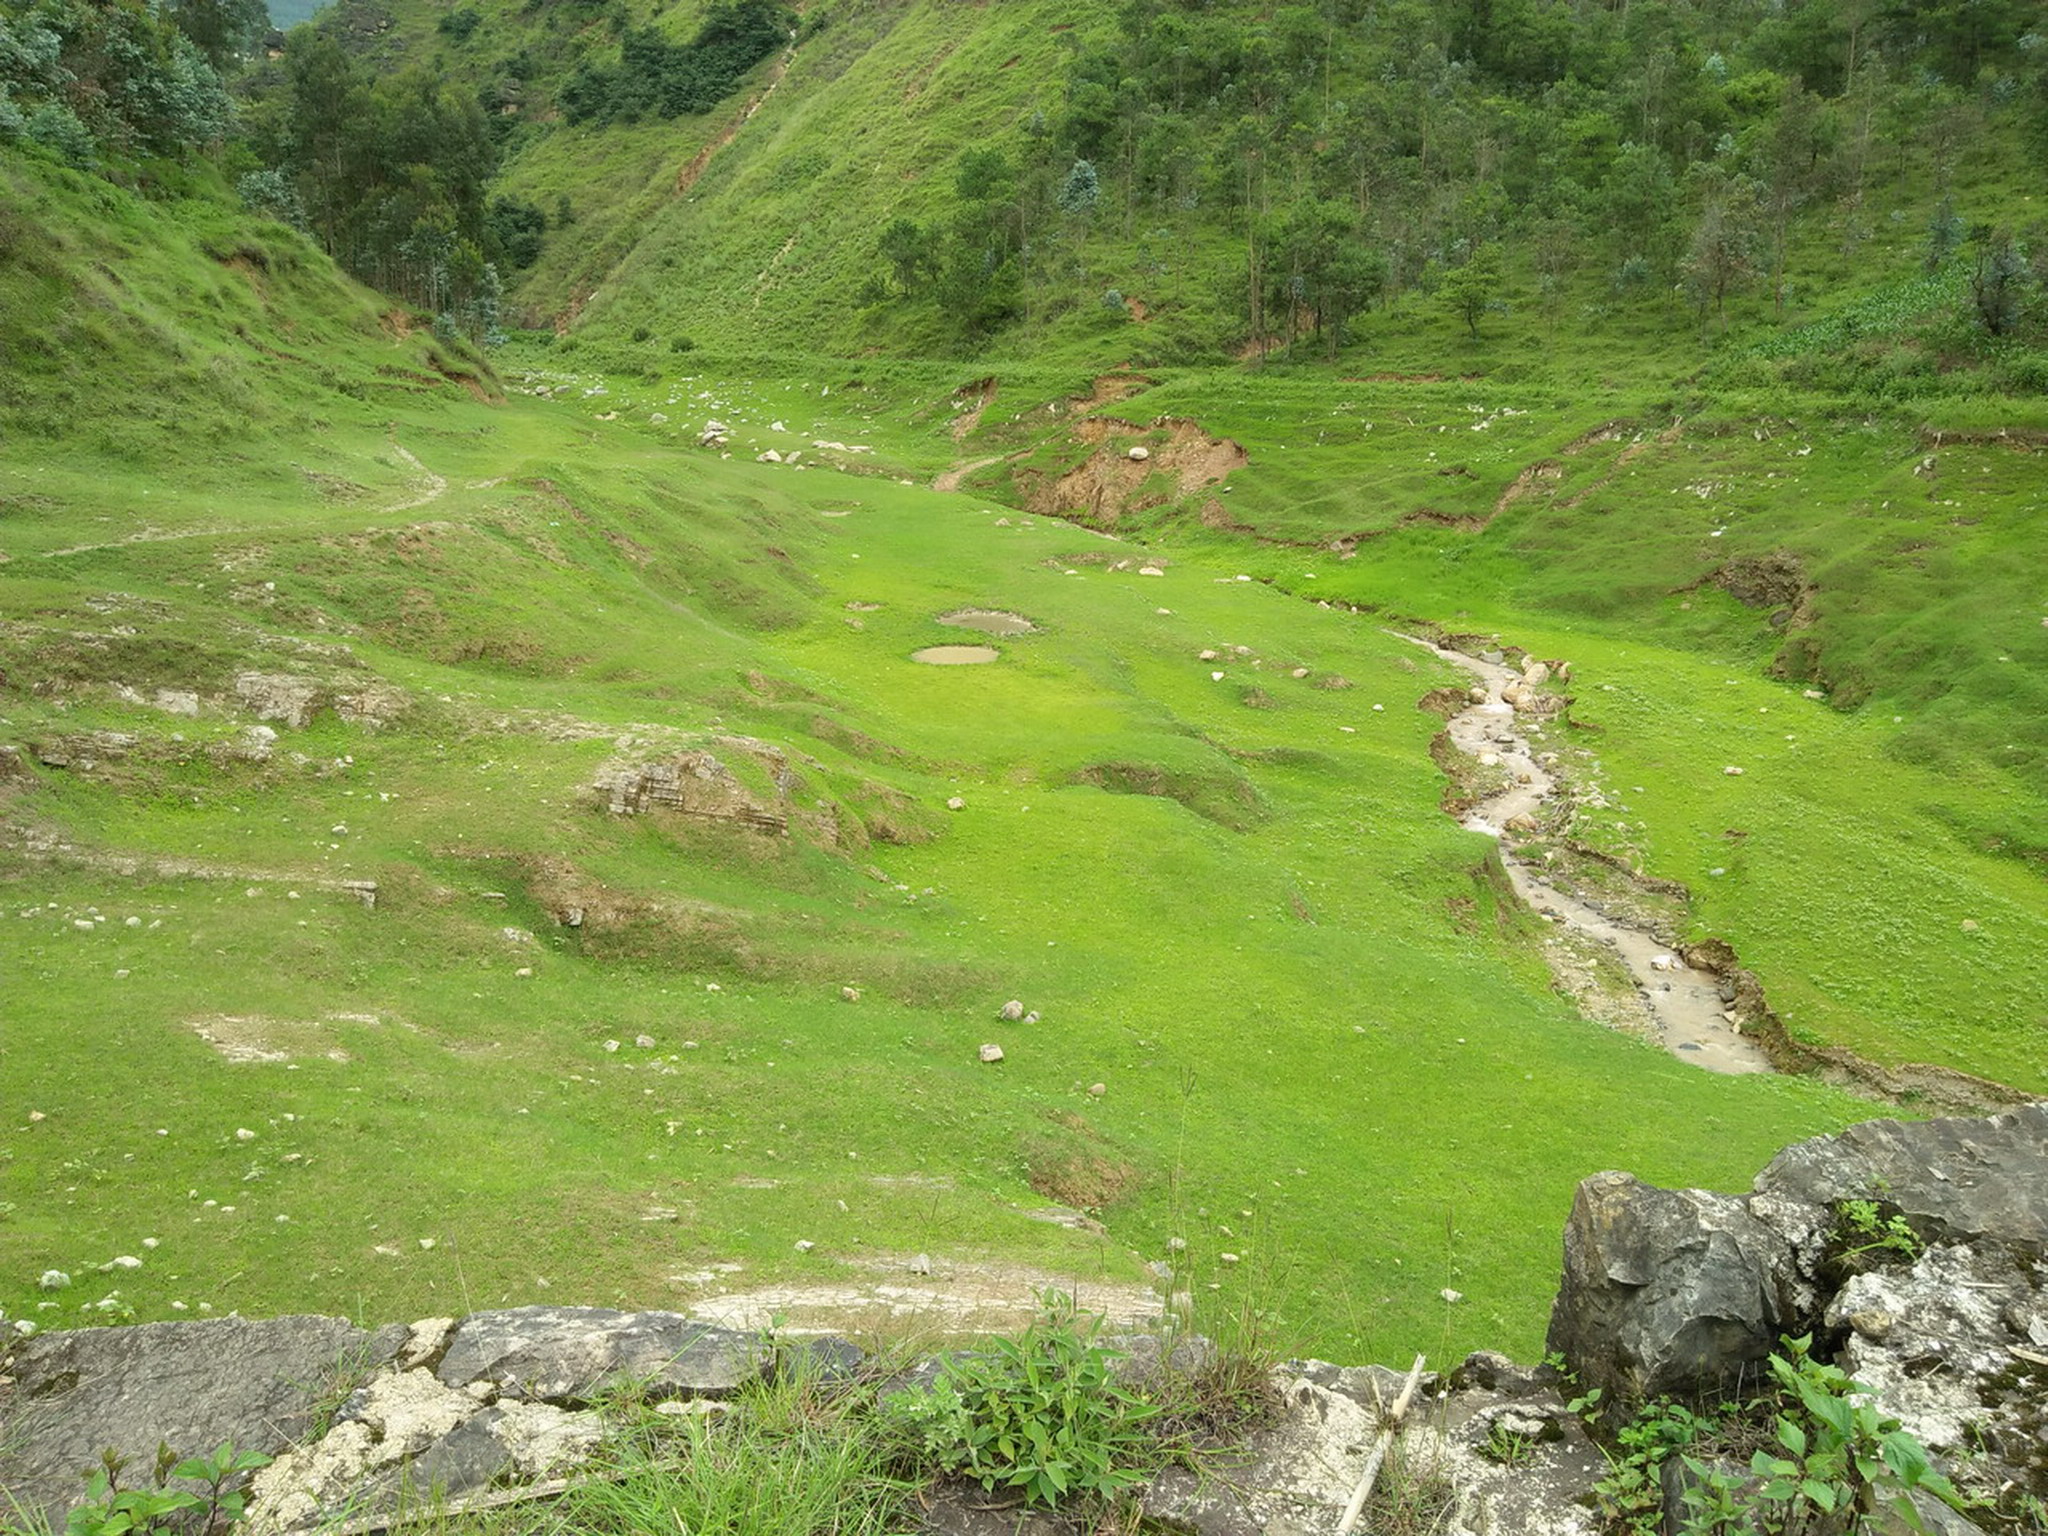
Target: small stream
[(1685, 1004)]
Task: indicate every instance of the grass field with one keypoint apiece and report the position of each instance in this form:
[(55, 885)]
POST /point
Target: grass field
[(292, 599)]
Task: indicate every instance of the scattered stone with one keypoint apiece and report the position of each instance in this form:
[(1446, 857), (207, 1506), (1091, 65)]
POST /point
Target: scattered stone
[(1011, 1011), (991, 1053), (849, 994), (644, 1042), (1732, 771), (955, 803)]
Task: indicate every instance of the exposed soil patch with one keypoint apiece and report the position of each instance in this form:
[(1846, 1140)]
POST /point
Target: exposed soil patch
[(981, 393), (1180, 459), (1110, 388), (990, 621), (921, 1296), (956, 655), (247, 1039)]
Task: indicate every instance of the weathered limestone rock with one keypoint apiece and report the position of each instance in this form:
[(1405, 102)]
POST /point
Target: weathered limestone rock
[(1677, 1292), (1946, 1344), (568, 1355), (1295, 1476), (192, 1385), (699, 783), (1956, 1180), (278, 696)]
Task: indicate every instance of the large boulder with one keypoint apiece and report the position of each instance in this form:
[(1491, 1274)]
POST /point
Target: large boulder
[(1669, 1292), (1956, 1180), (191, 1385), (571, 1355)]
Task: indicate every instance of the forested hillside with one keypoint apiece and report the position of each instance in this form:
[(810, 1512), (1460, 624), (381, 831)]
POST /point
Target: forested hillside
[(1186, 182)]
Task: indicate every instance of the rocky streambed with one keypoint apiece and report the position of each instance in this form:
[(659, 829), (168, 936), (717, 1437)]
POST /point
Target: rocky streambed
[(1687, 1010)]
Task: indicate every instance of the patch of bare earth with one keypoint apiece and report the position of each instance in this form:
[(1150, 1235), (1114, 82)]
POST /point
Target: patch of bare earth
[(894, 1296), (1109, 484)]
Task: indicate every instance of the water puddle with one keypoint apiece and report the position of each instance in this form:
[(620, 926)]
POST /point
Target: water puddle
[(1689, 1016), (956, 655)]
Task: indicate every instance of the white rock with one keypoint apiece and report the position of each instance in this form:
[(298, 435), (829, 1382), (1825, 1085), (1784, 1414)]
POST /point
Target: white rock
[(956, 804), (1732, 771), (243, 1133), (644, 1042), (53, 1280), (1451, 1296), (1140, 454), (1011, 1011), (991, 1053)]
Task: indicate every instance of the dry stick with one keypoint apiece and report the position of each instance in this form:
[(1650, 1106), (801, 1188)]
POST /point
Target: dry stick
[(1389, 1427)]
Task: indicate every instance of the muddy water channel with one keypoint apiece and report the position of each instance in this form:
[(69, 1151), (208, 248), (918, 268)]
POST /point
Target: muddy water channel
[(1687, 1013)]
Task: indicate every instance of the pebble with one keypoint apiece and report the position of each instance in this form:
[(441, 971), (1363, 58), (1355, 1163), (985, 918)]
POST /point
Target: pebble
[(1011, 1011), (991, 1053), (243, 1133), (1097, 1090)]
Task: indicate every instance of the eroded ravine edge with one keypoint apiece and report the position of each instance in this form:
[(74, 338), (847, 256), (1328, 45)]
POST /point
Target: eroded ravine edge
[(1752, 1033)]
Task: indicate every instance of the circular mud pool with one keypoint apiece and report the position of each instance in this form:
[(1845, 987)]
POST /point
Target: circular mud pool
[(955, 655), (989, 621)]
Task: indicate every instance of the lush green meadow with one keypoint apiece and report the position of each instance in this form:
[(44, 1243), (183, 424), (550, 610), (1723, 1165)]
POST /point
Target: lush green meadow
[(1292, 976)]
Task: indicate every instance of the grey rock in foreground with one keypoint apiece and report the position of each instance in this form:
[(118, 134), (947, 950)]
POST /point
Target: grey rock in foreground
[(1956, 1180), (191, 1385), (571, 1355), (1685, 1293), (1676, 1293)]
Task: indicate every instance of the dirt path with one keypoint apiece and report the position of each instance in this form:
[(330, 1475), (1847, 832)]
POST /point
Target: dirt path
[(950, 480), (933, 1296), (436, 488), (1688, 1016)]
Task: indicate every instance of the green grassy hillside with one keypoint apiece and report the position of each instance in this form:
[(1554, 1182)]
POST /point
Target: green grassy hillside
[(474, 832)]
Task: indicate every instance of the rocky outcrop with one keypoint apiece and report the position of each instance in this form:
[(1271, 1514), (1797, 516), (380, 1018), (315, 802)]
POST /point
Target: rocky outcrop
[(192, 1385), (572, 1355), (702, 784), (1911, 1250), (1676, 1293), (1938, 1305)]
